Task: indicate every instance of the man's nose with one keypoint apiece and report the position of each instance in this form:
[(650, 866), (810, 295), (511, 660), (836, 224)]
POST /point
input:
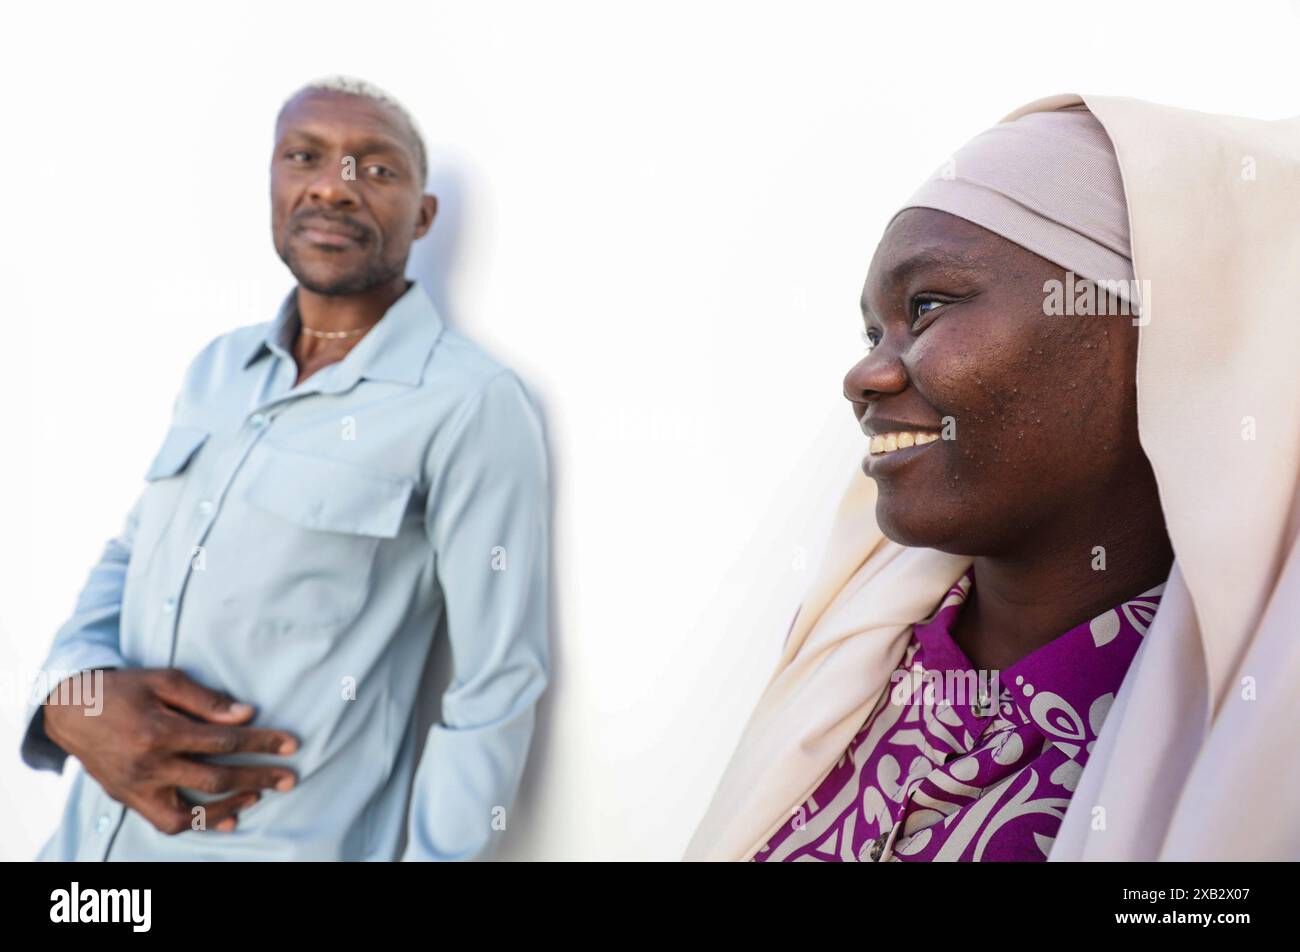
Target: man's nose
[(330, 188)]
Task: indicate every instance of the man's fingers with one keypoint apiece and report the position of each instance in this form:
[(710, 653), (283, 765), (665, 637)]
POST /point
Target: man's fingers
[(164, 808), (171, 813), (190, 737), (222, 778), (222, 815), (176, 688), (164, 817)]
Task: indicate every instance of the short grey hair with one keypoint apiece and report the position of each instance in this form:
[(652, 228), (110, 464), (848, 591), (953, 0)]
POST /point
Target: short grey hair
[(359, 87)]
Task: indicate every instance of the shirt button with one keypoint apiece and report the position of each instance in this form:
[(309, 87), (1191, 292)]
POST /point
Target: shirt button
[(205, 507), (257, 421), (169, 605), (103, 823)]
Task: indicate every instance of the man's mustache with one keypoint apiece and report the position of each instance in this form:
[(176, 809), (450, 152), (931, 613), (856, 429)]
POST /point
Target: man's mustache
[(336, 223)]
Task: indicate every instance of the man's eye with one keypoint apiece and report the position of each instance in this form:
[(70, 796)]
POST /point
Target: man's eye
[(292, 156), (382, 171), (870, 337)]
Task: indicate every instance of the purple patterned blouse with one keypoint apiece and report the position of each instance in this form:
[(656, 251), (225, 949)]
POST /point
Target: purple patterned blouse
[(938, 773)]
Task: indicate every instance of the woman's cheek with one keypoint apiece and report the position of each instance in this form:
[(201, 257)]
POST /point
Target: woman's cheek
[(965, 373)]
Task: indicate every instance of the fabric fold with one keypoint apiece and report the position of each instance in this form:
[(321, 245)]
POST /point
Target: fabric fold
[(1197, 758)]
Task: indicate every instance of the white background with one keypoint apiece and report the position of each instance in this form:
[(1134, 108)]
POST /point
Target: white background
[(659, 213)]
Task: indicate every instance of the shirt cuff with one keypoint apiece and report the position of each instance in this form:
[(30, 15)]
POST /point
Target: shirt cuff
[(38, 751)]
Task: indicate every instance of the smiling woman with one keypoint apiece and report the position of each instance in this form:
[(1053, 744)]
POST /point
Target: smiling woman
[(1030, 514)]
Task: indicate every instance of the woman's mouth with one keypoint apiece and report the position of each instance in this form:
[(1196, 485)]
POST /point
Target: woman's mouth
[(901, 440), (889, 452)]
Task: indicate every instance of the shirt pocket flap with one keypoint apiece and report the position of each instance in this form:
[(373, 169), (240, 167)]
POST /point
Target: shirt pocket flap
[(179, 447), (326, 495)]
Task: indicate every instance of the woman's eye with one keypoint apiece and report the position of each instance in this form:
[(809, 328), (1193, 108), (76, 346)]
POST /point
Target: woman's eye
[(924, 306)]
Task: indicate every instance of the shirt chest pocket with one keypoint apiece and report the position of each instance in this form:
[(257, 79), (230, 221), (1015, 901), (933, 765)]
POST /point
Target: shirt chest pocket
[(178, 448), (310, 527), (166, 483)]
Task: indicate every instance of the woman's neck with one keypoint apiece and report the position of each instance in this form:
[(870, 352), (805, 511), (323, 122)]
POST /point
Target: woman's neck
[(1089, 560)]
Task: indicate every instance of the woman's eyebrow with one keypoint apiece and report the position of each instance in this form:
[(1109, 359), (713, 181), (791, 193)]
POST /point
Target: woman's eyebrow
[(945, 259), (950, 262)]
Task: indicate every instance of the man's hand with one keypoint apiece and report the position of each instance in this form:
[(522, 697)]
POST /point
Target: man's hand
[(141, 746)]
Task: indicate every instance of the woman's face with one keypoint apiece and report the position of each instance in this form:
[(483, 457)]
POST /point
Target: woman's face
[(1036, 414)]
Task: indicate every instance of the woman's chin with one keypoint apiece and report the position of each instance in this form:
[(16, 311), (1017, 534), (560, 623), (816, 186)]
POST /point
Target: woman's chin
[(919, 527)]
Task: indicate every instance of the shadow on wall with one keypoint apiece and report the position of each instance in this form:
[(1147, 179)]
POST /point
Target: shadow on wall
[(433, 258), (433, 263)]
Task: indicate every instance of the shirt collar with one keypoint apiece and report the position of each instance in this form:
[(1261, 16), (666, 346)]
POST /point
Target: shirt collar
[(1075, 669), (397, 348)]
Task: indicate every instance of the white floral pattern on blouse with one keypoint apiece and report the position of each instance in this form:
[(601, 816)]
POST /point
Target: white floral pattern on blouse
[(927, 779)]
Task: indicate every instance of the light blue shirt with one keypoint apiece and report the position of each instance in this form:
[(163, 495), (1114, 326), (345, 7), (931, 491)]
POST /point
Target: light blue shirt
[(298, 548)]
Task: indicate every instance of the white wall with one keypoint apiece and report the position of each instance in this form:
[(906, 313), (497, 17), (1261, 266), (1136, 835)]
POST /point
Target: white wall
[(660, 213)]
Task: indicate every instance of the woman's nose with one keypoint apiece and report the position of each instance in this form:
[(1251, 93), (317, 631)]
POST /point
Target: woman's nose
[(877, 373)]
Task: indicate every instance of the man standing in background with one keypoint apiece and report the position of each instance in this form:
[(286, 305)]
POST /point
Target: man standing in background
[(336, 486)]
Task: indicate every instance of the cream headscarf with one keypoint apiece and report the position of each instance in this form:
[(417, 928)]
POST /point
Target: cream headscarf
[(1197, 758), (1049, 182)]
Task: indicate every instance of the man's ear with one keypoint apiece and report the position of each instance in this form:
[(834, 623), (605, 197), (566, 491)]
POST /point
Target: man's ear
[(428, 210)]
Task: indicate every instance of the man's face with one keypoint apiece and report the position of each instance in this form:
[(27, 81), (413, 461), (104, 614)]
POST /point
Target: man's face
[(346, 193)]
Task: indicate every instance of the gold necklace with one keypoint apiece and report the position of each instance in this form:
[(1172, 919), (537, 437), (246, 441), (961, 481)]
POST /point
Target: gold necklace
[(331, 335)]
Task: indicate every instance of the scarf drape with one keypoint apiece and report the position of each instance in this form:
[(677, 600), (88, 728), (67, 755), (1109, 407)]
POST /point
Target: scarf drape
[(1197, 757)]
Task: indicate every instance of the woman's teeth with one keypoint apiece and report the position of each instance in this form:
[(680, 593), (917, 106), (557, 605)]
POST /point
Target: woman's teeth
[(888, 442)]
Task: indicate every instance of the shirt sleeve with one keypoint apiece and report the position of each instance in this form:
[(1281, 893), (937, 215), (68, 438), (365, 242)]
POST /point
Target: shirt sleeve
[(91, 638), (488, 521), (88, 640)]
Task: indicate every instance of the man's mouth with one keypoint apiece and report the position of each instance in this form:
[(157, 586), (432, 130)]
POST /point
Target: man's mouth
[(329, 234)]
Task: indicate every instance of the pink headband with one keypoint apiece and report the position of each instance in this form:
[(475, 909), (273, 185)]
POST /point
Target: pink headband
[(1048, 181)]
